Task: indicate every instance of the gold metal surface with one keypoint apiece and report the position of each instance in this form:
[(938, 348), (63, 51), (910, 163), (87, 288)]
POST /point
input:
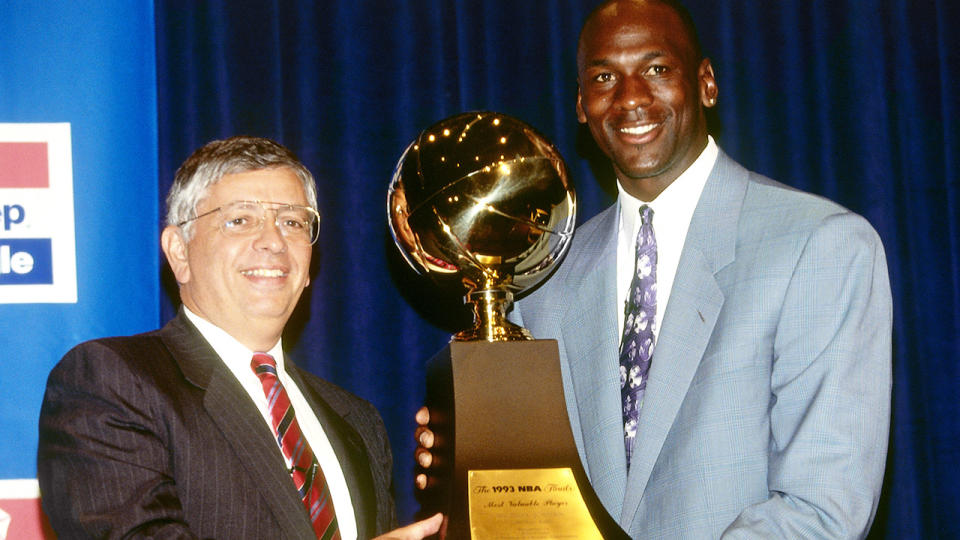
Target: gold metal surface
[(531, 504), (483, 199)]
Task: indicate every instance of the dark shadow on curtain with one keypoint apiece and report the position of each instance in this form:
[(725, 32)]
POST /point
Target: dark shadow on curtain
[(439, 304)]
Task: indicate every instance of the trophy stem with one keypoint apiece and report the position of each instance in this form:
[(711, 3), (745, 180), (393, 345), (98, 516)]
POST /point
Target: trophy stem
[(489, 318)]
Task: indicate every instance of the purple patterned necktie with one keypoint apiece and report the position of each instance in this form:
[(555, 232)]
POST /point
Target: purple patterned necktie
[(306, 473), (636, 345)]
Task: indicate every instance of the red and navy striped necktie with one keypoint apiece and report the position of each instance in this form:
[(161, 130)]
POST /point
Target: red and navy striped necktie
[(306, 473)]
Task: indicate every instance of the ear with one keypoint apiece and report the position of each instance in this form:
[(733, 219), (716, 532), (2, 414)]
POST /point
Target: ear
[(708, 84), (581, 116), (175, 248)]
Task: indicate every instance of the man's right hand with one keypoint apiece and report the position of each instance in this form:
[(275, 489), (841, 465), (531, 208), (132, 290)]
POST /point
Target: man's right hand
[(425, 440)]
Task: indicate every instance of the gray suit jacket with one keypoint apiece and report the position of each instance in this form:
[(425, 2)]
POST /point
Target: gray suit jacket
[(767, 407), (152, 436)]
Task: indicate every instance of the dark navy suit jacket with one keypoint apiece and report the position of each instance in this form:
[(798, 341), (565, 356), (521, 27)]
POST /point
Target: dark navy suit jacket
[(151, 435)]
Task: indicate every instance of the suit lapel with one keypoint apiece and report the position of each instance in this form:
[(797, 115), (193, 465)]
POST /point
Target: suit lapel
[(590, 327), (348, 447), (239, 421), (689, 321)]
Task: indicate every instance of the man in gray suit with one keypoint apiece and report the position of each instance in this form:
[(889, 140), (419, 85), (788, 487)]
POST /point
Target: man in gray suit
[(764, 410), (177, 433)]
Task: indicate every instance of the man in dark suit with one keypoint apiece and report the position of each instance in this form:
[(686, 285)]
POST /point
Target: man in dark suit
[(725, 340), (203, 428)]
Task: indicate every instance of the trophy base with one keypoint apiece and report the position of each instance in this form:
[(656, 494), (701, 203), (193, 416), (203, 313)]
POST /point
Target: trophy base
[(505, 462)]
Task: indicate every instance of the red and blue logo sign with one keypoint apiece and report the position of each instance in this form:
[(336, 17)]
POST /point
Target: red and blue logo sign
[(23, 261)]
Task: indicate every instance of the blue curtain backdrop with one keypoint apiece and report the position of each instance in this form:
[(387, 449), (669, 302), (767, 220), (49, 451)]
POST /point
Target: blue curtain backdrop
[(850, 99)]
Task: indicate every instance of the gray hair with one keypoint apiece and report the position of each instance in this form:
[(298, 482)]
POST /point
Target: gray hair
[(217, 159)]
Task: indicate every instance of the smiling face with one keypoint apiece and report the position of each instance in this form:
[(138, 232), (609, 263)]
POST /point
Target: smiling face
[(642, 93), (249, 285)]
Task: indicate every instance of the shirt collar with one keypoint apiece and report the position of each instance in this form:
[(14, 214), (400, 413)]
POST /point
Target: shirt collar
[(679, 198), (226, 346)]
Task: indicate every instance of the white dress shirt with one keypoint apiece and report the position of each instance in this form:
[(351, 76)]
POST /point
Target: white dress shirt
[(672, 212), (237, 359)]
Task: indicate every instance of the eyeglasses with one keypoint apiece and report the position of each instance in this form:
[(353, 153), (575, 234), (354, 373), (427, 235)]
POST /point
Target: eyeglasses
[(297, 223)]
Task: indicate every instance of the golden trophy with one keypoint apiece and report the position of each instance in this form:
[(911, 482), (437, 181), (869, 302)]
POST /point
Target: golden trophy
[(483, 200)]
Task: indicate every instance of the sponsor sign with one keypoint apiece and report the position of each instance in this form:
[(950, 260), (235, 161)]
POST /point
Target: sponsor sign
[(37, 243)]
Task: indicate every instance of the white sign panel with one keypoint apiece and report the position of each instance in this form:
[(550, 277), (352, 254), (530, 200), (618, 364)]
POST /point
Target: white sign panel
[(38, 262)]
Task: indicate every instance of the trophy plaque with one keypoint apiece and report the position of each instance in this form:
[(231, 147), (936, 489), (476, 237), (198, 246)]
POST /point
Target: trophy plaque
[(483, 201)]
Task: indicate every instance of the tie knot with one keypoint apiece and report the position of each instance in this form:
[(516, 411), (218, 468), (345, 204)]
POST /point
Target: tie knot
[(646, 214), (263, 363)]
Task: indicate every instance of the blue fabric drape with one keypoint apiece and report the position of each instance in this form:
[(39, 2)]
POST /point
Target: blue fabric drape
[(849, 99)]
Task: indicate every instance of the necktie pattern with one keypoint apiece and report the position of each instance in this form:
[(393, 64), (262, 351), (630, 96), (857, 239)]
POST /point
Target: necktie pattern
[(305, 472), (636, 344)]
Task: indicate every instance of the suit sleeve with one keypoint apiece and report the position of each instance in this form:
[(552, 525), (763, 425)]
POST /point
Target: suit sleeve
[(381, 467), (103, 464), (831, 383)]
